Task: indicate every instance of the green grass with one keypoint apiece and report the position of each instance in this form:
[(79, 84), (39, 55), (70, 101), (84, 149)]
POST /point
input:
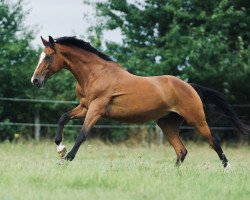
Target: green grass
[(29, 171)]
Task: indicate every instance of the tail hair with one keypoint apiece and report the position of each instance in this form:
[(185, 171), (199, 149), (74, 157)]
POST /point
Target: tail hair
[(217, 98)]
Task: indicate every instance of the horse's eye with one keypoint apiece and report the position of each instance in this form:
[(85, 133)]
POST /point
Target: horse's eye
[(47, 57)]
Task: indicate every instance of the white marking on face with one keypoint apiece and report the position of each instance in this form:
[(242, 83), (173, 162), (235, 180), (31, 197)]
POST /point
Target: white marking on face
[(42, 56)]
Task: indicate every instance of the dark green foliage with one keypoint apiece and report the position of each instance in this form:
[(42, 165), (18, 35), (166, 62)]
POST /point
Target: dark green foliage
[(17, 63), (17, 57)]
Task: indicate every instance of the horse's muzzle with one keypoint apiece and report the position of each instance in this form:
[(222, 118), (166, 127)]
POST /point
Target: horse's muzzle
[(36, 82)]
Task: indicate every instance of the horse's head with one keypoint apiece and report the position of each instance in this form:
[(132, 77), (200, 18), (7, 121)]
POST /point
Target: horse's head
[(49, 63)]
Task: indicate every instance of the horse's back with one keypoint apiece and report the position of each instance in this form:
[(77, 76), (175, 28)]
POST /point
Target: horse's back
[(174, 87)]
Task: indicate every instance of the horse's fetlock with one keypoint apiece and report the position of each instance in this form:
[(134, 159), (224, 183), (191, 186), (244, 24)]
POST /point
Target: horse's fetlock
[(58, 141)]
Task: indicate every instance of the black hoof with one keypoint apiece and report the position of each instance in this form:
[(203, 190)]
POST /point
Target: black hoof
[(178, 163), (69, 158), (226, 165)]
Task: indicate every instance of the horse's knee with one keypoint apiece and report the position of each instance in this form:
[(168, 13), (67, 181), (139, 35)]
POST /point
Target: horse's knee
[(63, 119)]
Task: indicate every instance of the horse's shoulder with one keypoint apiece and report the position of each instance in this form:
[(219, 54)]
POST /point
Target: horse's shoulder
[(79, 91)]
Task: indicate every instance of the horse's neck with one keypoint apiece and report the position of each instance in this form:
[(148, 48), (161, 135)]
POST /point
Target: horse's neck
[(83, 65)]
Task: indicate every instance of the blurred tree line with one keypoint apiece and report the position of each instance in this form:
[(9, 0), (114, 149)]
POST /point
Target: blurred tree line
[(206, 42), (18, 59)]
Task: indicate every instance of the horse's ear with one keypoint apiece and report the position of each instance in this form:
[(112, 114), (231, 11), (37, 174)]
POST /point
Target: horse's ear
[(51, 40), (45, 42)]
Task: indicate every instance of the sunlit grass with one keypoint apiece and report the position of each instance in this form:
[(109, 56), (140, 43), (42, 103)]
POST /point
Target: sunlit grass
[(29, 171)]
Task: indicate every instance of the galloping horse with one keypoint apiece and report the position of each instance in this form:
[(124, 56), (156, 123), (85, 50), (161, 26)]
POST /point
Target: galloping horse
[(106, 90)]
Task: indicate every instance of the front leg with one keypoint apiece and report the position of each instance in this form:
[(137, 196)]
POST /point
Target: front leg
[(94, 113), (77, 112)]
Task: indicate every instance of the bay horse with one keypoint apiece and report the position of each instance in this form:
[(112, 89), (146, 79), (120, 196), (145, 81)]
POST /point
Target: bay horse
[(106, 90)]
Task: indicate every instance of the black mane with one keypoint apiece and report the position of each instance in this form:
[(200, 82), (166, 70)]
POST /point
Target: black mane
[(81, 44)]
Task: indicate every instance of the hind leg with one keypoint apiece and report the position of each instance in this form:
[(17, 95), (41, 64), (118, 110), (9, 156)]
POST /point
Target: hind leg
[(213, 141), (190, 107), (170, 127), (193, 113)]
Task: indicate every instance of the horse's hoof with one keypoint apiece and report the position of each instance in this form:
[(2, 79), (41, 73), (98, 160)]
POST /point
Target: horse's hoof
[(69, 158), (228, 167), (177, 164), (61, 150), (63, 162)]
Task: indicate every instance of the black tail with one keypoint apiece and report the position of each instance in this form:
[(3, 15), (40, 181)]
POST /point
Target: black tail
[(217, 98)]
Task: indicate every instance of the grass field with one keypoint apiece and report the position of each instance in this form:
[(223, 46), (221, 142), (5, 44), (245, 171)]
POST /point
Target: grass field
[(29, 171)]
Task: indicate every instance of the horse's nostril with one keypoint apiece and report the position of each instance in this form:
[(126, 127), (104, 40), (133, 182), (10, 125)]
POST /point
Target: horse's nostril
[(35, 81)]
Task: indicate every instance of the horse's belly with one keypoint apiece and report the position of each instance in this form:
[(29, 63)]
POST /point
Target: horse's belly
[(137, 112), (141, 99), (136, 117)]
